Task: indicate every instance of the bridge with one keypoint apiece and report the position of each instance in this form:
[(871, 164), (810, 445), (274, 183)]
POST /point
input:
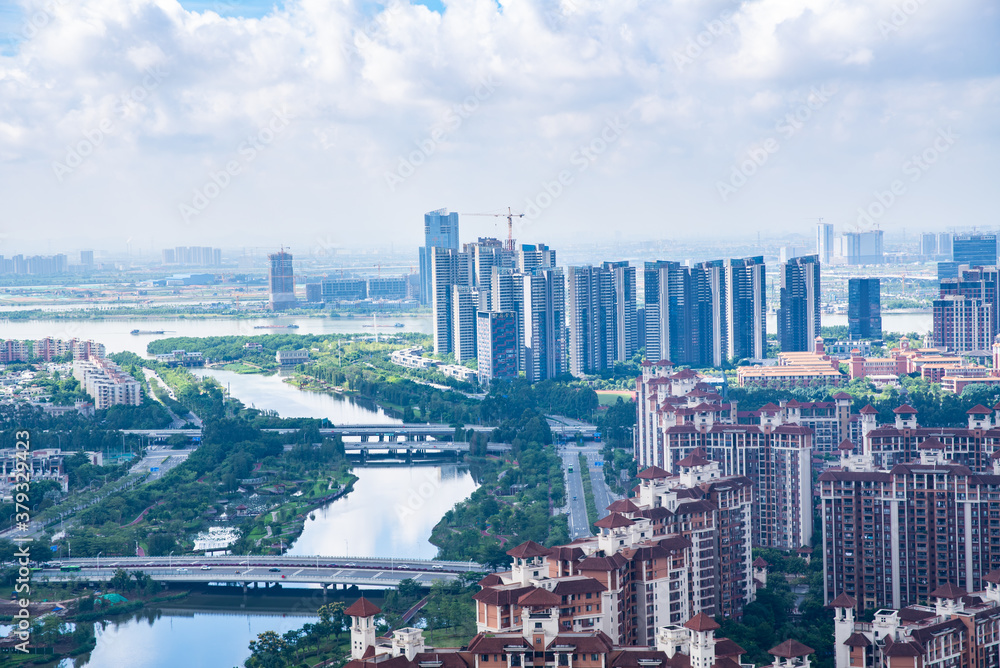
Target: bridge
[(418, 448), (395, 432), (268, 571)]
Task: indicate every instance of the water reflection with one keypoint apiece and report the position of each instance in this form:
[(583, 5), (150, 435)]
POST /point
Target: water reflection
[(390, 513)]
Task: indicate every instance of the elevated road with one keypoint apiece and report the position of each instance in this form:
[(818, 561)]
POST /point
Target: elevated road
[(346, 571)]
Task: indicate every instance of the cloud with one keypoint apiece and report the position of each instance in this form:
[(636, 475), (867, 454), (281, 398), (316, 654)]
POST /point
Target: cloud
[(364, 84)]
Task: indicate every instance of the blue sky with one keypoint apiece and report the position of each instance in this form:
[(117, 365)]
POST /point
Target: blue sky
[(340, 122)]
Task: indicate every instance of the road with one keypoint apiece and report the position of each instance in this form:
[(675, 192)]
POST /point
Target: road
[(576, 503), (161, 458), (271, 569), (603, 496)]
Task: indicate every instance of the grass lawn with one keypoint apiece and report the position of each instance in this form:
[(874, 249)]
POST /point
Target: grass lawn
[(610, 397)]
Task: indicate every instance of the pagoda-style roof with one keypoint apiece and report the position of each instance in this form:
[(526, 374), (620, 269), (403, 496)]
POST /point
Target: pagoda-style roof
[(950, 591), (846, 444), (978, 409), (843, 601), (528, 550), (623, 506), (759, 562), (790, 649), (613, 521), (905, 409), (842, 395), (362, 608), (930, 443), (869, 410), (653, 473), (993, 577), (701, 622), (539, 598), (696, 458), (858, 640)]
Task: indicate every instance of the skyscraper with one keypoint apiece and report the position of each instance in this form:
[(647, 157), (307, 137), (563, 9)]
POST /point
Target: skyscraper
[(87, 258), (590, 318), (862, 247), (440, 230), (626, 333), (944, 246), (530, 256), (464, 300), (966, 312), (544, 310), (281, 281), (928, 245), (449, 268), (679, 309), (799, 311), (864, 308), (975, 250), (497, 345), (824, 241), (746, 308)]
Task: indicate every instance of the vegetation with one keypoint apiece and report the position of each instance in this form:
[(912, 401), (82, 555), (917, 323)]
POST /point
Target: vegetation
[(588, 491)]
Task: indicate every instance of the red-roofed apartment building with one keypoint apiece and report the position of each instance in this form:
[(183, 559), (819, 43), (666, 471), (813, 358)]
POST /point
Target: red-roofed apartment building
[(675, 418)]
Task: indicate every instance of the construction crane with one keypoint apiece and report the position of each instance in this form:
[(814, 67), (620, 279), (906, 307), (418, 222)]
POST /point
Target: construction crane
[(510, 216)]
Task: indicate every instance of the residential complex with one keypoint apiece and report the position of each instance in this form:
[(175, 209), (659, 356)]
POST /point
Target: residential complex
[(106, 383), (911, 509), (440, 231), (678, 415), (197, 256), (975, 250), (966, 313), (794, 369), (540, 642)]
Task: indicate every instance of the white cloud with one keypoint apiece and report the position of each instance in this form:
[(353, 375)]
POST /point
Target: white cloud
[(365, 84)]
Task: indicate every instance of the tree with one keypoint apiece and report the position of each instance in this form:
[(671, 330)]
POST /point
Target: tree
[(269, 651)]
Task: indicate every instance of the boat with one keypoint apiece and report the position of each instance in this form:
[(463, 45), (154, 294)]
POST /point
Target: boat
[(136, 332), (276, 327), (399, 324)]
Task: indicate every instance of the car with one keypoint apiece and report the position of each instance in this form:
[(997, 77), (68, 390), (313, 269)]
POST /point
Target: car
[(438, 567), (352, 565), (403, 566), (274, 570), (332, 565), (574, 498), (182, 570), (206, 567)]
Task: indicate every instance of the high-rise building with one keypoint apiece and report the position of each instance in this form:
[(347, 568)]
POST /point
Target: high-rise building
[(590, 319), (975, 250), (928, 245), (195, 256), (892, 536), (862, 247), (464, 302), (390, 288), (507, 294), (864, 308), (824, 242), (498, 345), (544, 309), (678, 313), (343, 289), (678, 416), (944, 246), (966, 312), (441, 231), (449, 268), (530, 256), (87, 258), (626, 332), (746, 309), (485, 254), (799, 310), (281, 280)]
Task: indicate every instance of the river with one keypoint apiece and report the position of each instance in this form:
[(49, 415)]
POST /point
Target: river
[(390, 512)]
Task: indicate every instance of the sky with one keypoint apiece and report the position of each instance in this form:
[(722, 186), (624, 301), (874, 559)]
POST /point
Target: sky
[(325, 124)]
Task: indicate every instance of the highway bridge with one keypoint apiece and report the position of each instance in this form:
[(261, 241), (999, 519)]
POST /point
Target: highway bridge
[(392, 432), (267, 571), (417, 448)]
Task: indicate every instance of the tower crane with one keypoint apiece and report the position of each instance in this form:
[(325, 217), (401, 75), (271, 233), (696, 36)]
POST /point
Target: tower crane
[(510, 216)]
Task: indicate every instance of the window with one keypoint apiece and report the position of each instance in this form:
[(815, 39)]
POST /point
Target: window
[(538, 625), (485, 657)]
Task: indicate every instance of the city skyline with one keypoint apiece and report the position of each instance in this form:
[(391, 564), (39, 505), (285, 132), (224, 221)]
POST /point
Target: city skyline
[(667, 119)]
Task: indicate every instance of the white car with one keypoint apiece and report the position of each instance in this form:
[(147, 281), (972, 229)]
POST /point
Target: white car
[(206, 567), (182, 570)]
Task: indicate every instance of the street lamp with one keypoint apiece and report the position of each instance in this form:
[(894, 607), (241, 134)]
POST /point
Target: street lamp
[(347, 549), (99, 560), (170, 560)]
